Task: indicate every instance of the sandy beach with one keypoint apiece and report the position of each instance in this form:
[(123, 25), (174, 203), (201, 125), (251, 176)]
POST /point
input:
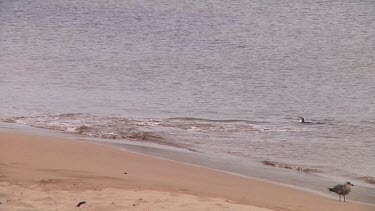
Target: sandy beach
[(48, 173)]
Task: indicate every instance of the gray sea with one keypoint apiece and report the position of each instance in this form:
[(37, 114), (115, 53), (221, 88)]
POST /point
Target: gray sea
[(218, 79)]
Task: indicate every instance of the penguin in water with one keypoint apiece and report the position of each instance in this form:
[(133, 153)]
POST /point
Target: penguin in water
[(302, 120)]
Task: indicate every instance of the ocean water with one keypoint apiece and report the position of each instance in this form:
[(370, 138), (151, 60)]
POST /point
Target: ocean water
[(219, 78)]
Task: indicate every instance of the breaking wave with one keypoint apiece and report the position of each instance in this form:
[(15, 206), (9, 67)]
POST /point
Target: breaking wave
[(108, 128), (369, 180), (178, 132), (290, 166), (117, 126)]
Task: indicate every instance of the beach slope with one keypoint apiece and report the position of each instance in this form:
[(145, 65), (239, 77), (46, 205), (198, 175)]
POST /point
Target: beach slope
[(48, 173)]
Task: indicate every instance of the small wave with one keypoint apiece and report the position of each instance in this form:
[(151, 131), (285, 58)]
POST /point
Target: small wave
[(163, 131), (290, 166), (369, 180), (147, 136), (101, 127), (69, 115), (212, 126), (230, 126), (213, 120), (11, 119), (72, 121), (80, 129)]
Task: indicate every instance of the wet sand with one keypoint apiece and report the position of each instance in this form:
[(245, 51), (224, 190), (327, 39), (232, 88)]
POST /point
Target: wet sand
[(45, 173)]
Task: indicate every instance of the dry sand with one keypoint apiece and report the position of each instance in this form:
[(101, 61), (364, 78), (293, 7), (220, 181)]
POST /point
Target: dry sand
[(44, 173)]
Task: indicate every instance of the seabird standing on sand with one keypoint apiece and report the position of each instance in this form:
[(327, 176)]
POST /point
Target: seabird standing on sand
[(342, 190)]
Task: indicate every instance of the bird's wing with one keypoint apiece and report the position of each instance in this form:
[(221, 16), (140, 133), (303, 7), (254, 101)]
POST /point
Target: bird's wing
[(338, 188)]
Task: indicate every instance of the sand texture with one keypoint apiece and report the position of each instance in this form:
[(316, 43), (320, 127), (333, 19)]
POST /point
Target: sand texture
[(45, 173)]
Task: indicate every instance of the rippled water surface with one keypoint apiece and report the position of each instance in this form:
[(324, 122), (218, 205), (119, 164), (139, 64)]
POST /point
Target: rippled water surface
[(215, 77)]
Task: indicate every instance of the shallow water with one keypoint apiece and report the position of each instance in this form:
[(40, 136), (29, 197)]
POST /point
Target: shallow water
[(218, 78), (311, 182)]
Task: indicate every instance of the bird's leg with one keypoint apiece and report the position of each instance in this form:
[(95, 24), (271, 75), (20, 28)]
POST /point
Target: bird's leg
[(339, 197), (344, 198)]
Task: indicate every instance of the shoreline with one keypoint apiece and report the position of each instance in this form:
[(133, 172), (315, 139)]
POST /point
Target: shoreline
[(143, 173), (287, 174)]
